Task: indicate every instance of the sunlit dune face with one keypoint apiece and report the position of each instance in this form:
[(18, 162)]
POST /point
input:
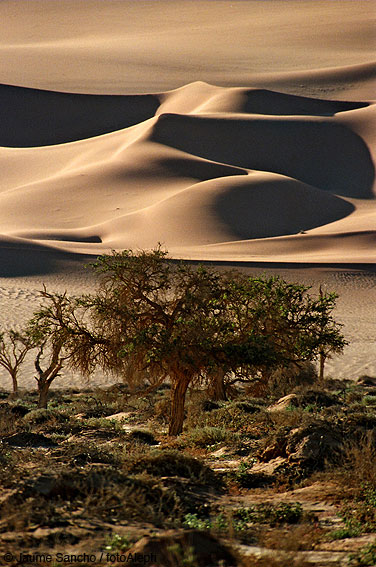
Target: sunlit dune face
[(225, 130)]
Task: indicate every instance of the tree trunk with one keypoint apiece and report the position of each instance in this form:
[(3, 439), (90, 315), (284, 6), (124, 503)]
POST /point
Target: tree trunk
[(179, 390), (43, 388), (15, 386), (218, 389), (322, 364)]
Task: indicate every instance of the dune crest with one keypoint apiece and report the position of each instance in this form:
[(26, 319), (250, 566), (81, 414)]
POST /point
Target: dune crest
[(211, 172)]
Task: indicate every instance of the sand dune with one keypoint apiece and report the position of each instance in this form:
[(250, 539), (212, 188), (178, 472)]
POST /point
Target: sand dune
[(41, 118), (238, 131), (213, 173)]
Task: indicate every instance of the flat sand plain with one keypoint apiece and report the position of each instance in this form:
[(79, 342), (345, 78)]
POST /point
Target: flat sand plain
[(239, 131)]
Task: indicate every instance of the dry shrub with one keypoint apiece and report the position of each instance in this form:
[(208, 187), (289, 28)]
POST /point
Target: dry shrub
[(172, 463), (206, 436), (162, 408), (7, 422), (360, 460), (142, 436), (283, 381), (302, 537), (88, 452), (294, 417)]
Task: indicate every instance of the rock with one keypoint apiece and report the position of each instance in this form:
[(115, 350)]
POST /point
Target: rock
[(121, 416), (285, 402), (271, 467), (311, 397), (173, 548), (366, 381), (318, 398), (220, 452), (34, 440), (280, 557), (277, 448), (314, 444), (307, 446), (348, 544)]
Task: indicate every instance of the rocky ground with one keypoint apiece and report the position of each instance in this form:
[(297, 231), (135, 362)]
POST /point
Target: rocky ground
[(254, 481)]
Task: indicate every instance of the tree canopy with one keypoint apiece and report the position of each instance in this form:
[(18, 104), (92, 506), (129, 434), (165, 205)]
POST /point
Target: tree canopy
[(185, 324)]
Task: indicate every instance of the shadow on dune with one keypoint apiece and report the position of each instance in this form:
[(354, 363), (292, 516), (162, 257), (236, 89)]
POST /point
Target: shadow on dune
[(187, 166), (19, 259), (277, 208), (32, 117), (321, 153), (267, 102)]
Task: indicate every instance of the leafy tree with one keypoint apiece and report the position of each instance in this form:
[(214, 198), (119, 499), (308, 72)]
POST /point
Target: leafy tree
[(157, 316), (298, 327), (14, 347), (187, 324)]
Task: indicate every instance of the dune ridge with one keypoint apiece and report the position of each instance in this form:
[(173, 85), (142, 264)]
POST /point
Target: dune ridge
[(227, 131), (237, 133), (211, 172)]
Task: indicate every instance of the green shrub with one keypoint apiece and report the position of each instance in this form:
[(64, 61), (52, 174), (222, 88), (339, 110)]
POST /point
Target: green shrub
[(117, 542), (207, 436), (365, 556), (43, 416), (282, 513), (360, 514)]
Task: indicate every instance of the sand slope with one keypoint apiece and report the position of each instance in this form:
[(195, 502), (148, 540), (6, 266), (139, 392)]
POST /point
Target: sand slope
[(239, 131), (211, 172)]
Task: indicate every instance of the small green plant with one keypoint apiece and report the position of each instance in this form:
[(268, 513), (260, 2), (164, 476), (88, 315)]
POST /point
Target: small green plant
[(344, 533), (283, 513), (359, 516), (242, 472), (366, 556), (117, 542), (220, 523), (242, 518), (209, 436), (192, 521), (182, 556)]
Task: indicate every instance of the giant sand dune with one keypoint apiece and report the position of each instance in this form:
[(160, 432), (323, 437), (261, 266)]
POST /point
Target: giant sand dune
[(215, 173), (236, 131)]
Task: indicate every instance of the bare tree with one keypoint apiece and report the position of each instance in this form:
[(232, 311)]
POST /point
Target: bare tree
[(14, 347), (48, 337)]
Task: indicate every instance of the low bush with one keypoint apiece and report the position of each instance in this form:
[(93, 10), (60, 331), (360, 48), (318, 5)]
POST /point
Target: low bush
[(207, 436), (365, 557), (142, 436), (171, 463)]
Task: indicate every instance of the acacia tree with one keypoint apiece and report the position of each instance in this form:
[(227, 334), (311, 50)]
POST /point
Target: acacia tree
[(186, 324), (298, 326), (50, 340), (163, 318), (14, 347)]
